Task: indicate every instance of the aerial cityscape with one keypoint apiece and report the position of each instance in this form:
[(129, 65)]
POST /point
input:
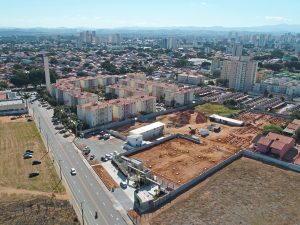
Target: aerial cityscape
[(149, 113)]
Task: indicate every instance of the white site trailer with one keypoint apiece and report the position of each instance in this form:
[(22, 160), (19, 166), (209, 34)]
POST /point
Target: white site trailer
[(150, 131), (225, 120)]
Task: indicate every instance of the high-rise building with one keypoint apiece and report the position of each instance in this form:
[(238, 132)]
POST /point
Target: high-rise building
[(169, 43), (237, 50), (47, 74), (88, 36), (240, 72)]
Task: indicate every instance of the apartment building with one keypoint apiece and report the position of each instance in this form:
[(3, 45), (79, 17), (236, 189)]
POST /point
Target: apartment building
[(240, 72), (104, 80), (190, 79), (145, 104), (123, 108), (179, 98), (75, 81), (123, 91), (81, 98), (61, 92), (95, 113), (89, 83), (137, 76), (279, 85)]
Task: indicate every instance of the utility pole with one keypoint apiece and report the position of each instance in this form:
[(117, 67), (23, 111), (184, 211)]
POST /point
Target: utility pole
[(60, 168), (40, 123), (82, 217), (47, 142)]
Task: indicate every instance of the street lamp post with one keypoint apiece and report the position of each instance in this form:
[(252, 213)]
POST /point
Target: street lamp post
[(82, 213), (60, 168), (47, 142), (40, 123)]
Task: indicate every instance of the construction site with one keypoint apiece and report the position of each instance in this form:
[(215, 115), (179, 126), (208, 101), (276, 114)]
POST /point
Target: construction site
[(179, 160), (245, 192), (192, 122)]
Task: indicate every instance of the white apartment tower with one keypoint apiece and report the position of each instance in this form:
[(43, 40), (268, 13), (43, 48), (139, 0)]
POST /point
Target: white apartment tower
[(241, 73), (237, 50), (47, 74)]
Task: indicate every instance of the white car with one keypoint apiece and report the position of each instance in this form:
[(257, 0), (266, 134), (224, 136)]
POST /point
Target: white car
[(73, 172)]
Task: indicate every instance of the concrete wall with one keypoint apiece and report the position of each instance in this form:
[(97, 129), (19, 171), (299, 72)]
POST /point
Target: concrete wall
[(243, 153), (109, 126)]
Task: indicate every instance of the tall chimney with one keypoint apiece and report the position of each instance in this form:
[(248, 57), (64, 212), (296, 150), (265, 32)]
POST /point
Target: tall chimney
[(47, 73)]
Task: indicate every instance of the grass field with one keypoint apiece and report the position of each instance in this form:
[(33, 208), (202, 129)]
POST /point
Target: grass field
[(23, 200), (212, 108), (246, 192), (15, 138)]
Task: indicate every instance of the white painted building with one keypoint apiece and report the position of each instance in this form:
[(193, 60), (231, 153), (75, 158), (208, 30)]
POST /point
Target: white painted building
[(150, 131), (94, 114), (190, 79)]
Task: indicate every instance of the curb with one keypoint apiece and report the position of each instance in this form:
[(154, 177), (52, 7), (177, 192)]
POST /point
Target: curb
[(116, 204)]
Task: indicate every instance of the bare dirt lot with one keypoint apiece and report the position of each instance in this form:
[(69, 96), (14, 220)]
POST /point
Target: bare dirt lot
[(27, 209), (260, 120), (241, 137), (247, 192), (180, 160)]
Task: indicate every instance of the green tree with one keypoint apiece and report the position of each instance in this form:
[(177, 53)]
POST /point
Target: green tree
[(222, 82), (272, 128), (210, 82), (19, 79), (26, 96), (181, 63), (3, 85), (297, 134), (216, 74)]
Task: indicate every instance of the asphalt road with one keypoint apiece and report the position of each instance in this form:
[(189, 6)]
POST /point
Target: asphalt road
[(86, 190)]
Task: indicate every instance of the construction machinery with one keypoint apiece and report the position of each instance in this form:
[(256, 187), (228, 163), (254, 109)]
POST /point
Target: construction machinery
[(193, 130)]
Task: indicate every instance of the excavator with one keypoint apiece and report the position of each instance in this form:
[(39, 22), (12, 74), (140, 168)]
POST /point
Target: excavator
[(192, 131)]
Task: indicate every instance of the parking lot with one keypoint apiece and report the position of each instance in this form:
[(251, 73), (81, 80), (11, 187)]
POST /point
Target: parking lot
[(101, 147)]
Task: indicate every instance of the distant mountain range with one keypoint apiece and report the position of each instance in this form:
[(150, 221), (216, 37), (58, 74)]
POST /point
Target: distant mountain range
[(280, 28)]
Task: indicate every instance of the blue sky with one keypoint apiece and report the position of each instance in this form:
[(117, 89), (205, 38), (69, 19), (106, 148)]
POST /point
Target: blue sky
[(147, 13)]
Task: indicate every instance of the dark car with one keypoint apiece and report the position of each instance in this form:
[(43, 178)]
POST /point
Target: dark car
[(92, 157), (29, 151), (27, 156), (104, 159), (86, 152), (33, 174), (36, 162)]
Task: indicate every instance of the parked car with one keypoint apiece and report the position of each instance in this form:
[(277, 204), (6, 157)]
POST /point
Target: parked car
[(36, 162), (123, 184), (106, 136), (92, 157), (103, 159), (29, 151), (108, 156), (27, 156), (33, 174), (86, 152), (73, 172)]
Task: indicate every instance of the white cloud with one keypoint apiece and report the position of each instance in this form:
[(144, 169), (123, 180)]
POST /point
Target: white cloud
[(203, 3), (277, 18)]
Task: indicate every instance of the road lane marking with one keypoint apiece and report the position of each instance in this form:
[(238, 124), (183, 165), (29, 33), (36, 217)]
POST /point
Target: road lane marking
[(81, 181)]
